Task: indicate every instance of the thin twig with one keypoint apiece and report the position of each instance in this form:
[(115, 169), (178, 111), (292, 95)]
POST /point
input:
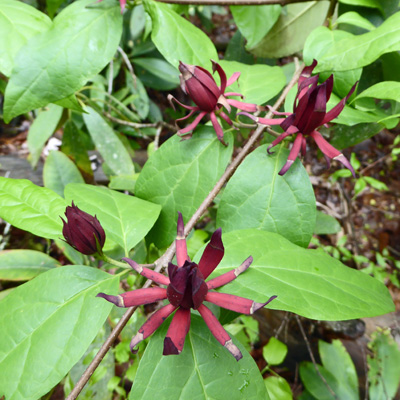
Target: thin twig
[(128, 64), (139, 125), (110, 79), (157, 138), (331, 11), (313, 359), (232, 2), (168, 255)]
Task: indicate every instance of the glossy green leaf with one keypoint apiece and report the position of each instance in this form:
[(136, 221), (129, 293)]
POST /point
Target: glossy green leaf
[(382, 90), (108, 143), (295, 23), (258, 83), (125, 219), (177, 39), (274, 352), (363, 3), (58, 171), (278, 388), (204, 370), (354, 18), (53, 6), (362, 50), (137, 21), (18, 23), (22, 265), (256, 21), (320, 42), (80, 43), (307, 282), (47, 324), (257, 197), (179, 176), (326, 224), (41, 130), (384, 366), (71, 103), (32, 208)]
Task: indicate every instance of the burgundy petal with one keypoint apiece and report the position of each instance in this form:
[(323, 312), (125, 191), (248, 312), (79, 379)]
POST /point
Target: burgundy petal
[(177, 331), (243, 106), (152, 324), (191, 126), (179, 279), (235, 76), (279, 139), (264, 121), (233, 94), (170, 98), (137, 297), (235, 303), (222, 75), (229, 276), (181, 248), (217, 128), (148, 273), (226, 118), (294, 152), (212, 255), (307, 71), (219, 332), (199, 288), (332, 114)]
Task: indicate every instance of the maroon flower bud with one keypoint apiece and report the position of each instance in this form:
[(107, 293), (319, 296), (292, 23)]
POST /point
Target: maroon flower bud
[(83, 231)]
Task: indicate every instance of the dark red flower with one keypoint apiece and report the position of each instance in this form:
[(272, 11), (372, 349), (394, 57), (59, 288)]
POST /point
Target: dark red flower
[(186, 289), (209, 98), (309, 113), (83, 231)]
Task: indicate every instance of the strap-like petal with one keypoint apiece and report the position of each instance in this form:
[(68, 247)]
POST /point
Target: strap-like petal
[(217, 127), (294, 152), (177, 331), (212, 255), (181, 248), (147, 272), (191, 126), (136, 297)]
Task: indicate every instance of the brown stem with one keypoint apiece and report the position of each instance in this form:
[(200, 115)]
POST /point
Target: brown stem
[(232, 2), (168, 255), (139, 125), (331, 11)]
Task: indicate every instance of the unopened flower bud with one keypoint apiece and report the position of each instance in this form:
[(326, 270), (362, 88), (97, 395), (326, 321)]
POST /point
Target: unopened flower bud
[(83, 231)]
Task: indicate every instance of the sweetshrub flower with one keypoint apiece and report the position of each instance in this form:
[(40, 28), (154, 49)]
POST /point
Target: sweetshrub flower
[(83, 231), (186, 289), (209, 98), (309, 113)]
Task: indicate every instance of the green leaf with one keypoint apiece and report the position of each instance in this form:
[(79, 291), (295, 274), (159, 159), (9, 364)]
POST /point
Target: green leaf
[(46, 326), (375, 183), (71, 103), (363, 3), (141, 100), (382, 90), (137, 21), (257, 197), (177, 39), (288, 35), (41, 130), (31, 208), (384, 366), (353, 18), (22, 265), (179, 176), (278, 388), (326, 224), (258, 83), (156, 73), (125, 219), (362, 50), (255, 22), (18, 23), (204, 370), (274, 352), (58, 171), (108, 143), (53, 6), (307, 282), (78, 46)]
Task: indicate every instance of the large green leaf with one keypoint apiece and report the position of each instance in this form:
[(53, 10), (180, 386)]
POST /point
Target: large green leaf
[(125, 219), (257, 197), (362, 50), (32, 208), (22, 265), (179, 176), (363, 3), (177, 39), (108, 143), (289, 33), (41, 129), (18, 23), (258, 83), (255, 22), (56, 63), (353, 18), (382, 90), (46, 326), (204, 370), (58, 171), (307, 282), (326, 224)]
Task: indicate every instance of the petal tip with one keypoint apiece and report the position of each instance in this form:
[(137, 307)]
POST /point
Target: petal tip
[(117, 300), (286, 167), (257, 306), (170, 348), (135, 341), (233, 349)]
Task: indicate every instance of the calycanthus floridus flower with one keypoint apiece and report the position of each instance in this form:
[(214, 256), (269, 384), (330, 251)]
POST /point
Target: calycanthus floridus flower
[(186, 289), (82, 231), (309, 113), (209, 98)]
